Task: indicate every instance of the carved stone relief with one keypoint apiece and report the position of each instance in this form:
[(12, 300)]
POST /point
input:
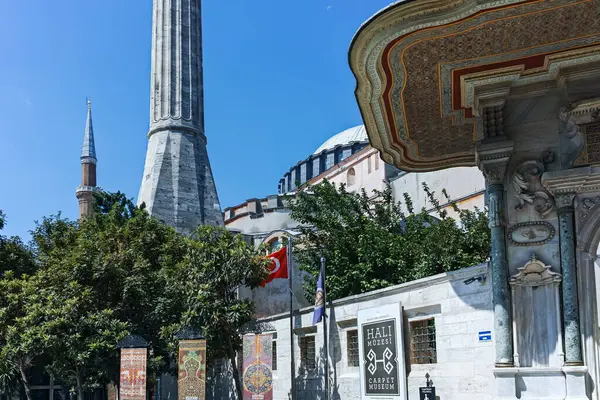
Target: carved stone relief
[(525, 181), (587, 205), (533, 233), (535, 273), (571, 140)]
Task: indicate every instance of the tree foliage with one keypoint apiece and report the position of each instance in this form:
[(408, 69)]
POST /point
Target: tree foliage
[(217, 263), (370, 242), (66, 300)]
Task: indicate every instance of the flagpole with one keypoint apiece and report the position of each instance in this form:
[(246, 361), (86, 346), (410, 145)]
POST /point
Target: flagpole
[(292, 353), (325, 329)]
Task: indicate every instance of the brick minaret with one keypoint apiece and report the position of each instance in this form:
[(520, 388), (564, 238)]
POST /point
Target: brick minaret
[(178, 185), (85, 192)]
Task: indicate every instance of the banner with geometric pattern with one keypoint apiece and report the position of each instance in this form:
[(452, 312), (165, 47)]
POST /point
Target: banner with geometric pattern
[(191, 383), (257, 367), (133, 374)]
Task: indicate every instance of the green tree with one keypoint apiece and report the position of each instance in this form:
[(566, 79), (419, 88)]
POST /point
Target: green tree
[(19, 341), (369, 242), (107, 274), (216, 264)]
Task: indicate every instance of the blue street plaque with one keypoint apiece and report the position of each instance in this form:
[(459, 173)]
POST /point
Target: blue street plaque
[(485, 336)]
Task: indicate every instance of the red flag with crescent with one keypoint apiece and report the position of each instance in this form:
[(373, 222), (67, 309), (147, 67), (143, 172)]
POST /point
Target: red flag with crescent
[(278, 266)]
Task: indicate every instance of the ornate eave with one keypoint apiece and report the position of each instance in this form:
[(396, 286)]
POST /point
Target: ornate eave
[(428, 71)]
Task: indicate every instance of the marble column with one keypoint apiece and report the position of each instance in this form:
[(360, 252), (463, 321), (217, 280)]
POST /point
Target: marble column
[(565, 210), (494, 175)]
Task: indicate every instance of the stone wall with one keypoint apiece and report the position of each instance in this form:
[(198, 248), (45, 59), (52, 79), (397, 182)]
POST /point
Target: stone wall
[(460, 303)]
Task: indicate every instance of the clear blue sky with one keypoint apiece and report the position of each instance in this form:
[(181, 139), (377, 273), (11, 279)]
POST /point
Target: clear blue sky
[(277, 84)]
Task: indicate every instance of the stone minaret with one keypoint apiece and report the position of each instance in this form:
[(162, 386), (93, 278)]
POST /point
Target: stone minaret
[(178, 186), (85, 192)]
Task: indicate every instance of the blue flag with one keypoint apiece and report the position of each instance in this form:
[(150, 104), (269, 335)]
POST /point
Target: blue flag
[(319, 300)]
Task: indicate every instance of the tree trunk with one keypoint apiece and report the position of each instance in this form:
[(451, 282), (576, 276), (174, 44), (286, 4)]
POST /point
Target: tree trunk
[(235, 371), (24, 379), (78, 379)]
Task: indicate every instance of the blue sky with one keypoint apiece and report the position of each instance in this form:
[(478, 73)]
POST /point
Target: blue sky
[(277, 84)]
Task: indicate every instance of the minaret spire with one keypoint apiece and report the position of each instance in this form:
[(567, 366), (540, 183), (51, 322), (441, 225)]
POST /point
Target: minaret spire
[(178, 185), (88, 152), (85, 192)]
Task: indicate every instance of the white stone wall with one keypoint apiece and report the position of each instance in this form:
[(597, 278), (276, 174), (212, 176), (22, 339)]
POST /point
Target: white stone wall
[(464, 365), (366, 178), (460, 183)]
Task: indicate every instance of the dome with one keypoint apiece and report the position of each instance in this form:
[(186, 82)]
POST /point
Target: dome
[(356, 134)]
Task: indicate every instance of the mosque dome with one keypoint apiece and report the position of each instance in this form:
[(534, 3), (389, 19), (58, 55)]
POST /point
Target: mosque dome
[(333, 151), (351, 135)]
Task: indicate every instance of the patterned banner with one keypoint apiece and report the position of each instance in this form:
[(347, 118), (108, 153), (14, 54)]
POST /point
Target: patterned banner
[(257, 367), (133, 374), (192, 369)]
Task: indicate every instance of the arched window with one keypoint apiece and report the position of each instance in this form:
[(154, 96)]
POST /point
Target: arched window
[(351, 178)]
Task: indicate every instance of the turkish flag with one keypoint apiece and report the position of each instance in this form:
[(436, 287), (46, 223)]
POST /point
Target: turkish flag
[(278, 266)]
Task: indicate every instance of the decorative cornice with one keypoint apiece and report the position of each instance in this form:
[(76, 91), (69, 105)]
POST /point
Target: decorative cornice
[(89, 160), (133, 342), (86, 189), (578, 180), (188, 333)]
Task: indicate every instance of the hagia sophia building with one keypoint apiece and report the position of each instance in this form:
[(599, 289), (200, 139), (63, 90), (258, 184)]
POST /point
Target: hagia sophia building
[(347, 158)]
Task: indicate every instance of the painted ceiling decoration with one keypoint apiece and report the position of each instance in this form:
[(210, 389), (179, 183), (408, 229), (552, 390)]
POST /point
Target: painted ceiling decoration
[(422, 66)]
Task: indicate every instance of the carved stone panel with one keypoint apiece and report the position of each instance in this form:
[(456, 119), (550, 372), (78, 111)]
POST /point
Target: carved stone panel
[(527, 189), (587, 205), (531, 233), (536, 310), (591, 145)]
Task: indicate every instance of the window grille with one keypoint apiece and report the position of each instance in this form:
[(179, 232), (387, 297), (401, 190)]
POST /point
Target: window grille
[(422, 342), (307, 352), (352, 348), (274, 356)]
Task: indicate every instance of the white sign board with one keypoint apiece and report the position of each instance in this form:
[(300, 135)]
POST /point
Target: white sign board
[(381, 348)]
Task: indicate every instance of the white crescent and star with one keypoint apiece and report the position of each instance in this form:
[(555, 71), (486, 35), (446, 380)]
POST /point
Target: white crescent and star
[(277, 265)]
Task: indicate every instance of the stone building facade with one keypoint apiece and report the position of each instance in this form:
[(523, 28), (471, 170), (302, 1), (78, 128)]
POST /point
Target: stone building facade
[(354, 163), (450, 315), (523, 105)]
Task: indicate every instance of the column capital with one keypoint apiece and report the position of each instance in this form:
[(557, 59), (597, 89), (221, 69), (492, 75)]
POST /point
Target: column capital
[(492, 158), (564, 201)]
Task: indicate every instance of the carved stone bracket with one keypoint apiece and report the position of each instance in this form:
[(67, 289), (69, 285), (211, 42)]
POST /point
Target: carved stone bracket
[(524, 181), (535, 273)]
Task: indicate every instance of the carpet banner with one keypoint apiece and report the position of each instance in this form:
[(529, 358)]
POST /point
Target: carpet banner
[(257, 367), (133, 374), (191, 383)]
